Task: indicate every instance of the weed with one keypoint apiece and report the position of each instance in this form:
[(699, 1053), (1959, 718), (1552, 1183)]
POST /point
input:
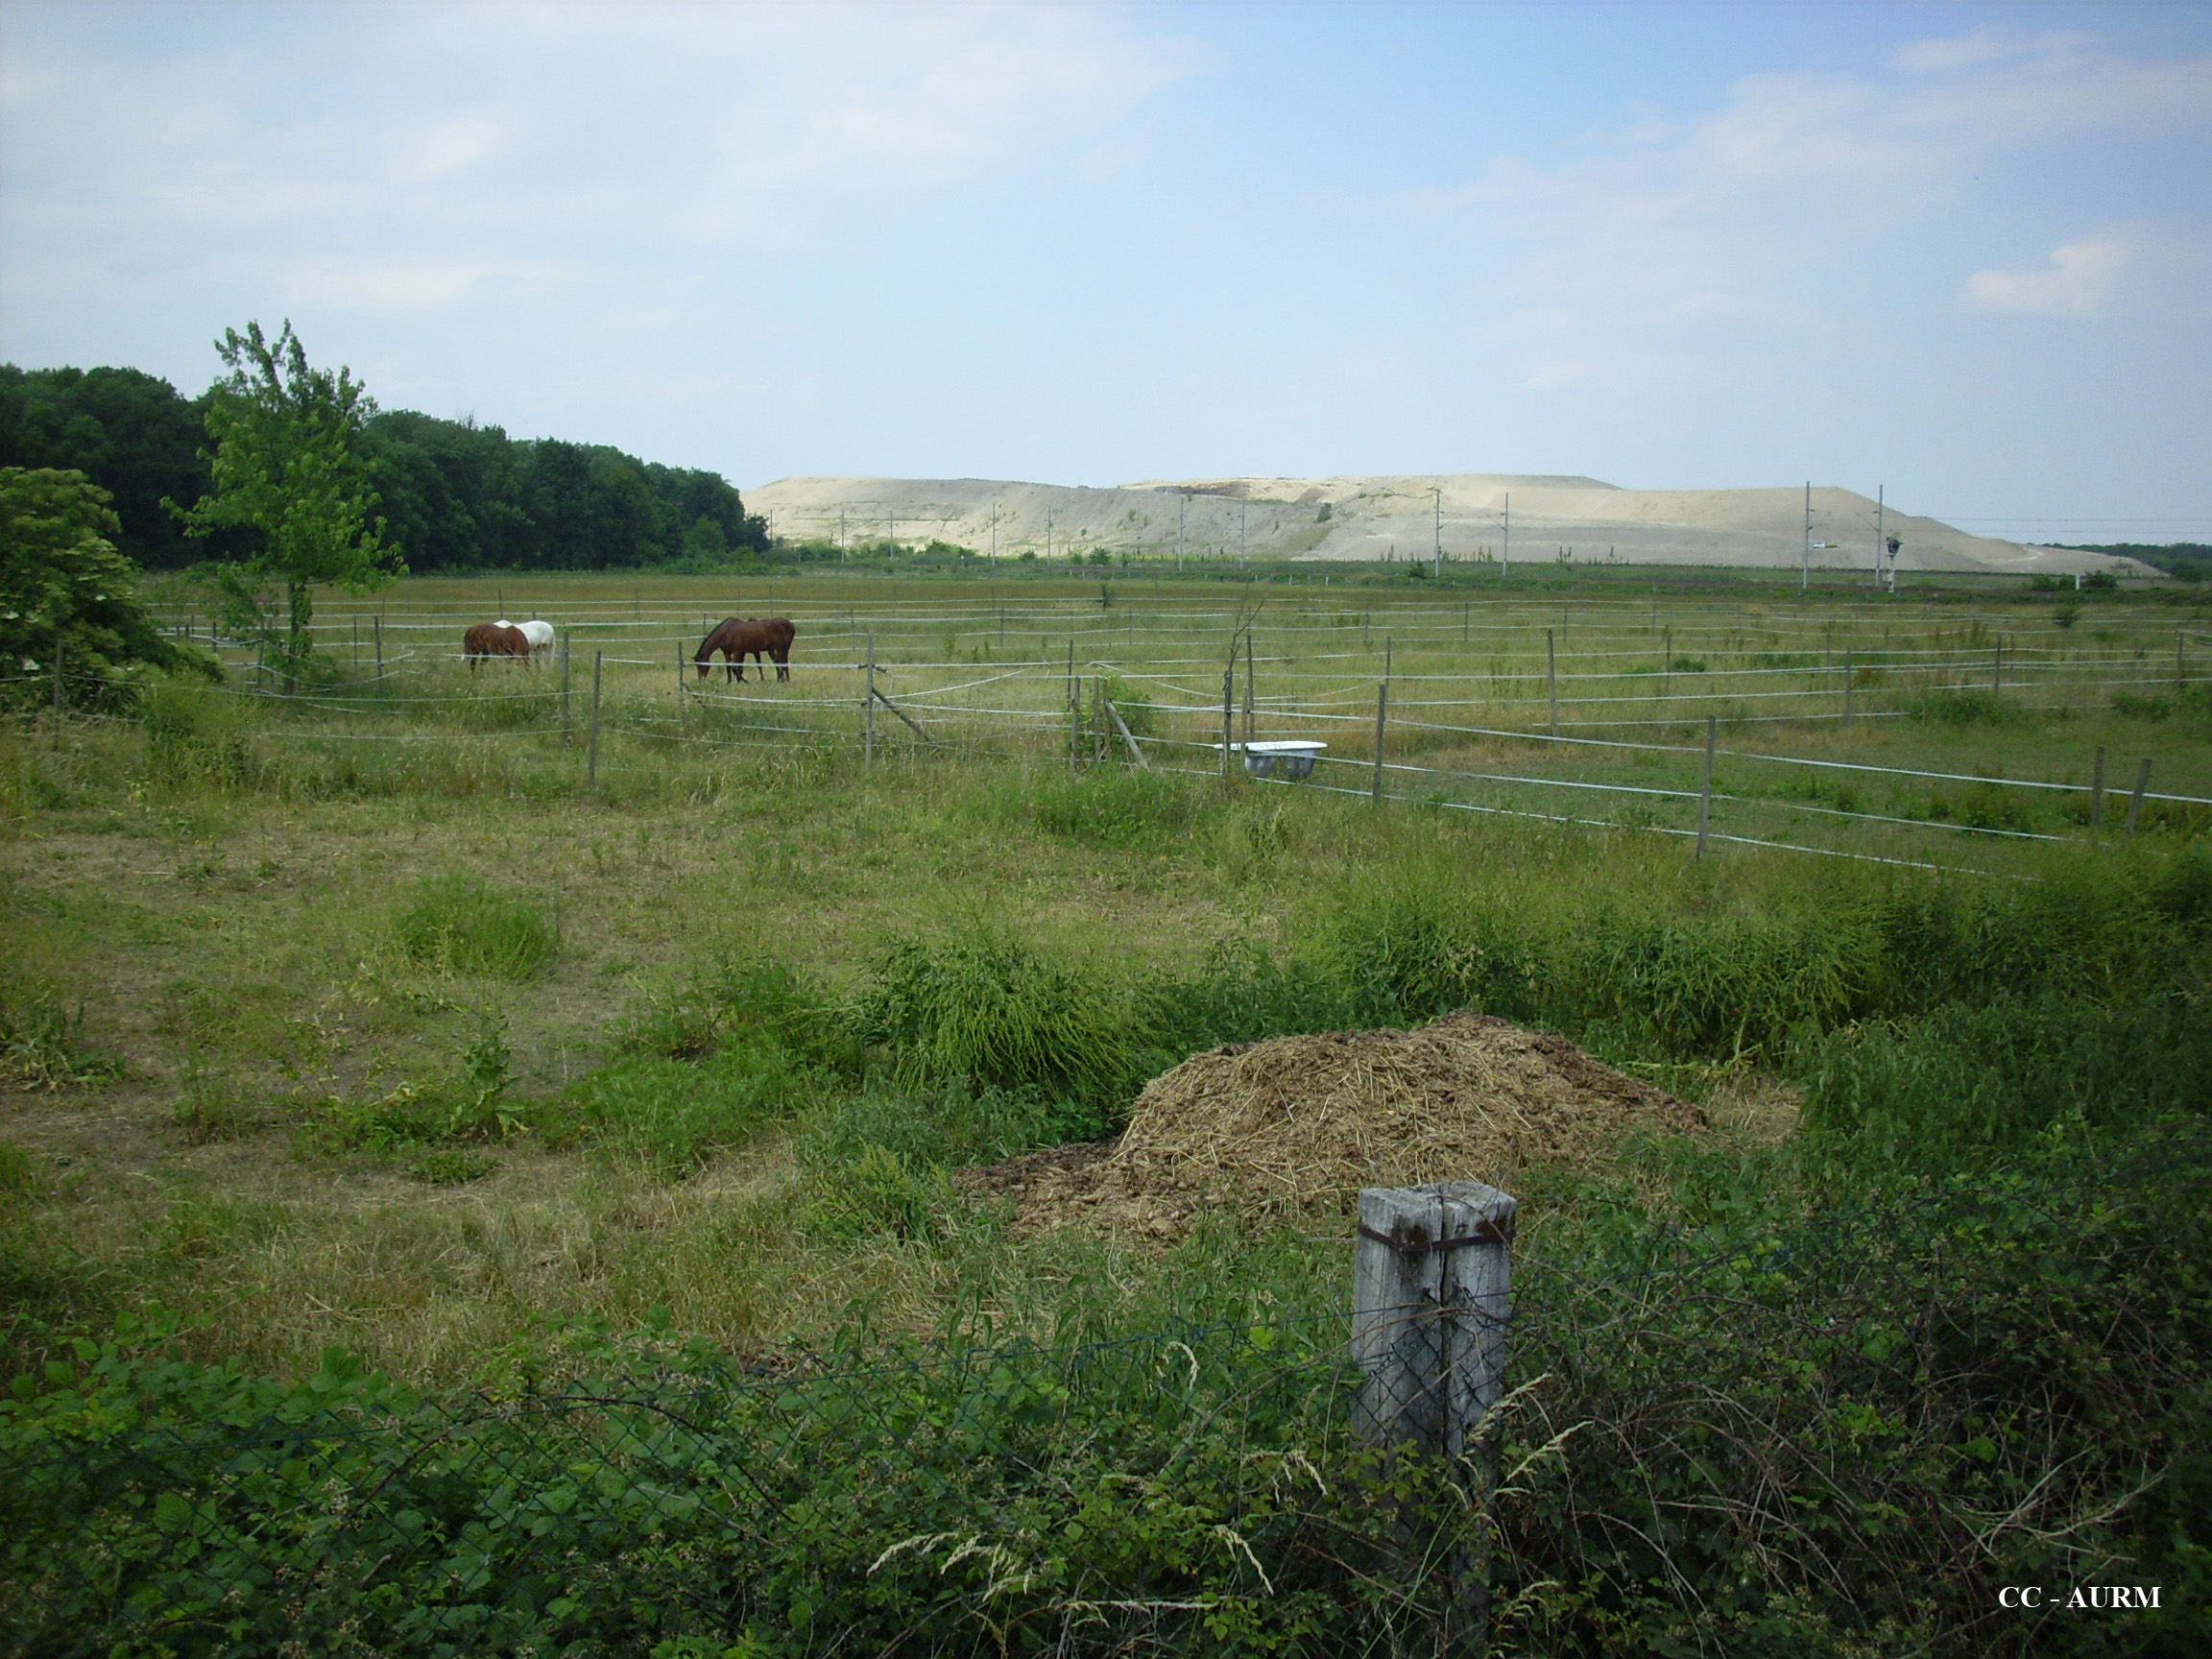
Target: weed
[(671, 1116), (452, 1165), (42, 1040)]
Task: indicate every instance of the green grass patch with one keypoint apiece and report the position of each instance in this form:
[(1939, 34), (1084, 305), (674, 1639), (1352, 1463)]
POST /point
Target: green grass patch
[(460, 924)]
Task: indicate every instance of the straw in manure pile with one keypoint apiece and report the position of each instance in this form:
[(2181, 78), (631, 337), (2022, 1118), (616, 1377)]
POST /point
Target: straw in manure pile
[(1297, 1126)]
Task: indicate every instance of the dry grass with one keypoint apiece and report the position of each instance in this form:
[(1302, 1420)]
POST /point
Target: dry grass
[(1297, 1126)]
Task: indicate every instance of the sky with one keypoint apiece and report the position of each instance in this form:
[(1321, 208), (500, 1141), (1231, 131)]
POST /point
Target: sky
[(1961, 252)]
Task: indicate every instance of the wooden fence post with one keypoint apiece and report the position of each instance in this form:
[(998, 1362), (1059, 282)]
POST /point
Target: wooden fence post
[(1705, 794), (1249, 694), (2135, 801), (1382, 711), (1228, 720), (2097, 791), (1551, 678), (591, 747), (1431, 1282)]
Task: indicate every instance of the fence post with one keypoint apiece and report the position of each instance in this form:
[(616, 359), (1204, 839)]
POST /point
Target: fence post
[(1228, 719), (1381, 710), (1432, 1280), (1074, 712), (1705, 794), (2177, 677), (57, 688), (1551, 678), (591, 746), (567, 723), (2097, 791), (1846, 687), (868, 708), (2134, 801), (1667, 666), (1249, 692), (379, 645), (1997, 668)]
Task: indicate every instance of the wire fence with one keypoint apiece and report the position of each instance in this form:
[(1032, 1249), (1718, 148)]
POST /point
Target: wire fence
[(1564, 722)]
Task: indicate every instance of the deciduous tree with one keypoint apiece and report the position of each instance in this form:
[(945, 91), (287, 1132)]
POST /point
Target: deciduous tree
[(288, 464)]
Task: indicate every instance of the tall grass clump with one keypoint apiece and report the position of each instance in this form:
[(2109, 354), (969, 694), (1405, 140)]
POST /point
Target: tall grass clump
[(983, 1006), (744, 999), (1137, 811), (459, 922)]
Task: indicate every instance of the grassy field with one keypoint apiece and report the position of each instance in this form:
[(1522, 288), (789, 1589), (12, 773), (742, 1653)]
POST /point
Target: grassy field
[(349, 1015)]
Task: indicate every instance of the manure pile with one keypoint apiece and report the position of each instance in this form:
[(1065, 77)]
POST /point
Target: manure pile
[(1297, 1126)]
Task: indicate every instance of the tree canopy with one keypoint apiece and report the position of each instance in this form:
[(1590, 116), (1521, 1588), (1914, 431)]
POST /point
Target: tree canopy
[(64, 585), (455, 494)]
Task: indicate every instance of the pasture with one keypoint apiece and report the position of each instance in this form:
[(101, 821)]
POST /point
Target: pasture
[(438, 1016)]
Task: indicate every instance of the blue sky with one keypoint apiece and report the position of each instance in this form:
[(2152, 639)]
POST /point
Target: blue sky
[(1962, 251)]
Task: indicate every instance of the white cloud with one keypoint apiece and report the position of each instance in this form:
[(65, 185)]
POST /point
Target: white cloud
[(1707, 250), (435, 145), (2076, 282)]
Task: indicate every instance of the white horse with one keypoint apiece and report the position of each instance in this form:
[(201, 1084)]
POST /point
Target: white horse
[(538, 633)]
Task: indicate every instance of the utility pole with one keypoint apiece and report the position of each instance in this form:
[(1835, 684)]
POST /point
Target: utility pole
[(1439, 494), (1048, 535), (1805, 582), (1505, 546), (994, 545), (841, 547), (1243, 552), (1182, 503)]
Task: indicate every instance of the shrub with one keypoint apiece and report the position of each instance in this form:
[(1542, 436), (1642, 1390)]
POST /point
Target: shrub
[(459, 923)]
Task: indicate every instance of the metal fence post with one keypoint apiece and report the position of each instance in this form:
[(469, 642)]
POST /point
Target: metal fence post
[(1431, 1282), (2135, 801), (2097, 791), (1705, 794), (379, 644), (1228, 719), (1382, 710), (1551, 678), (868, 708), (591, 746), (1846, 687), (567, 722)]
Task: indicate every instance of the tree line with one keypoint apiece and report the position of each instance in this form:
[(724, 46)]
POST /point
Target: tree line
[(453, 496)]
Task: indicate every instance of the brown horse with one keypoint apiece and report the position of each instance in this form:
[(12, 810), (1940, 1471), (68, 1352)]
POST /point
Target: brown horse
[(489, 639), (734, 638)]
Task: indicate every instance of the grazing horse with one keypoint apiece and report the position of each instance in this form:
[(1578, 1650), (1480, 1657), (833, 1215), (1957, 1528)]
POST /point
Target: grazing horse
[(538, 633), (489, 639), (734, 638)]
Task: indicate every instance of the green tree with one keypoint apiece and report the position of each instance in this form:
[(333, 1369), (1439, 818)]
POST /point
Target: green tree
[(288, 464), (65, 588)]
